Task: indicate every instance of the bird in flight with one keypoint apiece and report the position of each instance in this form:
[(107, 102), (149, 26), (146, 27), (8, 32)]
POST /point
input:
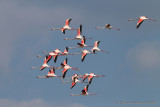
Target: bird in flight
[(140, 20), (84, 92), (82, 44), (90, 77), (74, 80), (107, 26), (95, 48), (53, 54), (65, 27), (79, 35), (44, 65), (50, 74)]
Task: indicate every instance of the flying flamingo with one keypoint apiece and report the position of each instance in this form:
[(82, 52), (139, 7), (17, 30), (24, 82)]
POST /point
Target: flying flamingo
[(66, 27), (65, 68), (84, 53), (51, 74), (75, 75), (55, 54), (74, 80), (65, 52), (90, 77), (107, 26), (44, 65), (140, 20), (79, 34), (95, 48), (82, 44), (50, 54), (84, 92)]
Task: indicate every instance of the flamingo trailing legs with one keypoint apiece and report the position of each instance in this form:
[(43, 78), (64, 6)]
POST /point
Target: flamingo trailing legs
[(140, 20), (66, 27), (50, 74), (84, 92), (82, 44), (79, 34), (95, 48), (107, 26), (44, 65)]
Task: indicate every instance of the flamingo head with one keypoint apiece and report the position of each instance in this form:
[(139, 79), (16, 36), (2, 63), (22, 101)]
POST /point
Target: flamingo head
[(144, 17)]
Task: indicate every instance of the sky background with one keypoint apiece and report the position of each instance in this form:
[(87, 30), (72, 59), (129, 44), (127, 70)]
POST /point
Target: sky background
[(131, 70)]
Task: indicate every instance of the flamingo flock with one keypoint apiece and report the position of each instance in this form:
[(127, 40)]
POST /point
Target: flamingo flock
[(57, 53)]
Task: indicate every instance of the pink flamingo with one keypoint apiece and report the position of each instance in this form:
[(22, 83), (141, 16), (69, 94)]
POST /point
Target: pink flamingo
[(53, 54), (74, 80), (107, 26), (44, 65), (79, 34), (49, 56), (65, 52), (90, 77), (85, 52), (95, 48), (50, 74), (66, 27), (65, 68), (82, 44), (84, 92), (140, 20)]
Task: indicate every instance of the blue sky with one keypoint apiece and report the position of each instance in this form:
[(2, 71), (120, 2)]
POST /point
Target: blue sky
[(132, 68)]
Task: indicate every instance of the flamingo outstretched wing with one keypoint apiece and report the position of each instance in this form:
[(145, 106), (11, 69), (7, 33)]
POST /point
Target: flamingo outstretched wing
[(139, 23)]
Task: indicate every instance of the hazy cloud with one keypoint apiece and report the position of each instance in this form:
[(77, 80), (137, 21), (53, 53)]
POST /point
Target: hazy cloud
[(34, 103), (18, 21), (145, 55)]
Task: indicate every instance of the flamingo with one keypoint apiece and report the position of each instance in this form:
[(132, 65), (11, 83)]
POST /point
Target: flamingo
[(66, 27), (74, 80), (90, 77), (82, 44), (50, 54), (51, 74), (95, 48), (75, 75), (55, 54), (66, 67), (107, 26), (140, 20), (84, 92), (85, 76), (85, 52), (79, 36), (44, 65), (65, 52)]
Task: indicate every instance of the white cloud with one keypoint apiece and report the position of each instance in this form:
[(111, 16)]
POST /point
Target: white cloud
[(145, 56), (34, 103)]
